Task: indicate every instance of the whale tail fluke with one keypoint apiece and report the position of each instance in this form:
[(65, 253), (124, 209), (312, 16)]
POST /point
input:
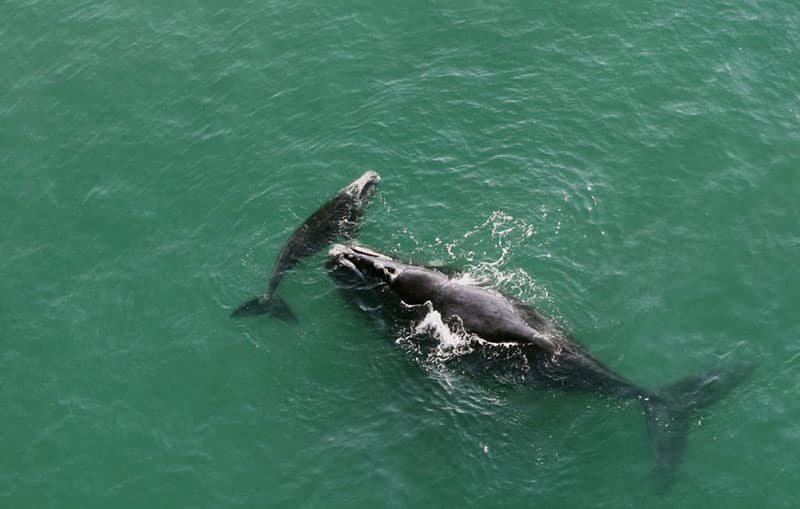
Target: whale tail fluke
[(272, 305), (671, 410)]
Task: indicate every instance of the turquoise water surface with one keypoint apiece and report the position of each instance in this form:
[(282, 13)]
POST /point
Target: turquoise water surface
[(629, 168)]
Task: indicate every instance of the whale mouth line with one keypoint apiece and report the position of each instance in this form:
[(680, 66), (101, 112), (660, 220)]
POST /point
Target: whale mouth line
[(351, 266)]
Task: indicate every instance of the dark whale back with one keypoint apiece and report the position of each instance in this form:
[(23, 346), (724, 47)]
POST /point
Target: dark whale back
[(484, 312), (418, 286)]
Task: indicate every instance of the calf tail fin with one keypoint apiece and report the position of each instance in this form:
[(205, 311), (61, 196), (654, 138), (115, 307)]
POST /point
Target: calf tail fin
[(272, 305), (671, 409)]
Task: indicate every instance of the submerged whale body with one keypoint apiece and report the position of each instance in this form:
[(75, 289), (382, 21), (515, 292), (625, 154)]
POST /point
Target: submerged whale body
[(402, 293), (337, 218)]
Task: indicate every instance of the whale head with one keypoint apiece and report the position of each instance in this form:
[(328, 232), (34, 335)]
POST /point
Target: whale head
[(362, 188), (366, 269), (362, 265)]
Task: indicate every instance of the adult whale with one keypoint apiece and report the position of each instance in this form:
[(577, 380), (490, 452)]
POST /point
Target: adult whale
[(516, 337), (337, 218)]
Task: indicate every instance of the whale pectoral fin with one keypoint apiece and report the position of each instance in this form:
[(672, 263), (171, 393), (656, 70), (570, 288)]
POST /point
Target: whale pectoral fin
[(272, 305), (672, 409)]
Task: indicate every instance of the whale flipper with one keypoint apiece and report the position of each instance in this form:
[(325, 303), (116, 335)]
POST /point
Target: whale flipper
[(672, 409), (272, 305)]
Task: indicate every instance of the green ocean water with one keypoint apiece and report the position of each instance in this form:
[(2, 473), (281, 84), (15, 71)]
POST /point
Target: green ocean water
[(630, 168)]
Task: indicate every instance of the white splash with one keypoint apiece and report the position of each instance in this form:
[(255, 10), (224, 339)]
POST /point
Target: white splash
[(432, 324), (450, 343)]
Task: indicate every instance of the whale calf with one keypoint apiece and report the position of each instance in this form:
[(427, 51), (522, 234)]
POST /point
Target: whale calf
[(337, 218), (516, 337)]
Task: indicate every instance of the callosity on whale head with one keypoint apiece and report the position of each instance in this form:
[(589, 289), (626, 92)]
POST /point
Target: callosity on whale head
[(363, 187), (366, 264)]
